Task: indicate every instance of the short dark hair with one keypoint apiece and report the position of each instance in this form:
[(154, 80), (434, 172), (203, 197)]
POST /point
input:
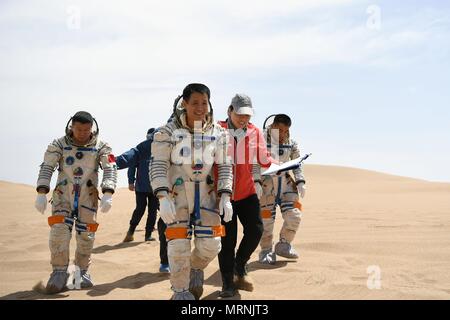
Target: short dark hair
[(195, 87), (83, 117), (283, 119)]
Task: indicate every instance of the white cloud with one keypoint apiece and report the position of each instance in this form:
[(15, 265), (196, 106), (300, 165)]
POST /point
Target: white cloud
[(152, 41), (168, 38)]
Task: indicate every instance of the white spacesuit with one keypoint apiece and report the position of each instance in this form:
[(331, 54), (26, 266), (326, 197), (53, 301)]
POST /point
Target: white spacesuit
[(283, 191), (74, 201), (191, 173)]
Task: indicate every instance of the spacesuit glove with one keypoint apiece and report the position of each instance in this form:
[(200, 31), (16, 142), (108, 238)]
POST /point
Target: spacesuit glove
[(301, 189), (41, 203), (167, 209), (106, 202), (225, 207)]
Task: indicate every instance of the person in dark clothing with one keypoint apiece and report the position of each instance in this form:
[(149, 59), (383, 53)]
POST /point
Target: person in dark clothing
[(248, 212), (247, 146), (137, 161)]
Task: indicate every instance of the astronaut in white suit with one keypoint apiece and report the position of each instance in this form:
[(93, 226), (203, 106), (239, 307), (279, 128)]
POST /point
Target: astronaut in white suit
[(282, 191), (192, 176), (77, 156)]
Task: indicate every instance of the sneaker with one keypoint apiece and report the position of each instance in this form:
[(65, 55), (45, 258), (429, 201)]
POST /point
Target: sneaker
[(164, 268), (149, 238)]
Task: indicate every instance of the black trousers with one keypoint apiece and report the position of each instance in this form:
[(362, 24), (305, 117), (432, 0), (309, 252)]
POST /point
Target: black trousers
[(153, 206), (162, 242), (249, 213), (142, 199)]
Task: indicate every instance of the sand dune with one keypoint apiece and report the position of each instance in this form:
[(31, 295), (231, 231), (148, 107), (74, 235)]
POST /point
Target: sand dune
[(353, 220)]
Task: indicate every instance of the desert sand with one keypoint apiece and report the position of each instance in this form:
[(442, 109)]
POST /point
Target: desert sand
[(355, 221)]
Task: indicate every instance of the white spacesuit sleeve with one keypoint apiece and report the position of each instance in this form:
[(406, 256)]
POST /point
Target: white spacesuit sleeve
[(159, 165), (51, 158), (298, 173), (224, 164), (108, 164), (256, 167), (256, 172)]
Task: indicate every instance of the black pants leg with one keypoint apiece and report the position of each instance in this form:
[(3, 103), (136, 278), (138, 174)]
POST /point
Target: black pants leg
[(162, 242), (249, 214), (153, 206), (227, 254), (141, 204)]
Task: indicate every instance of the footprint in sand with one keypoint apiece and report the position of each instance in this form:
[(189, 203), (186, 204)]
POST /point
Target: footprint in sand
[(353, 261), (322, 247), (315, 279), (423, 277)]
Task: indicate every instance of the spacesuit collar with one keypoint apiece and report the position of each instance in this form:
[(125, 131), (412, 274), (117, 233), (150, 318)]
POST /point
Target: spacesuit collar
[(183, 122)]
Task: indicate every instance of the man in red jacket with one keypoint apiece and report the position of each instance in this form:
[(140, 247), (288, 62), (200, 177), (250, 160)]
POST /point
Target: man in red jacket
[(247, 147)]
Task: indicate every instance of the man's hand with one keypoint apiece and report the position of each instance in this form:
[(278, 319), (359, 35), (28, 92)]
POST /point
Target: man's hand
[(131, 187), (167, 209), (225, 207), (41, 202), (106, 202)]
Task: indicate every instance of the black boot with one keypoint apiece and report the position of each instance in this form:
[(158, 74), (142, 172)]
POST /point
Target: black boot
[(242, 280), (228, 288), (130, 234)]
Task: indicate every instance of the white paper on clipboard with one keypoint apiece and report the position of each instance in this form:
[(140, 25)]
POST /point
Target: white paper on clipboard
[(290, 165), (275, 168)]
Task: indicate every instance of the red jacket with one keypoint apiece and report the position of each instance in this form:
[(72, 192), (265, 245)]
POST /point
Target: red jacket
[(255, 149)]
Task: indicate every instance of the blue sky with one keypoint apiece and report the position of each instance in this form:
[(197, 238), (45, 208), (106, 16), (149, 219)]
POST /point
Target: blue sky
[(363, 90)]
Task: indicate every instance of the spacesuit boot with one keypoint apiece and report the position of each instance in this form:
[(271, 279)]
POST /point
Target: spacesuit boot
[(285, 249), (57, 281), (182, 295), (267, 257), (86, 280), (196, 283)]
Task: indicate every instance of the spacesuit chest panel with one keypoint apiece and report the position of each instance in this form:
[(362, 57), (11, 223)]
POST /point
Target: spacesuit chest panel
[(281, 152), (192, 156), (80, 163)]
